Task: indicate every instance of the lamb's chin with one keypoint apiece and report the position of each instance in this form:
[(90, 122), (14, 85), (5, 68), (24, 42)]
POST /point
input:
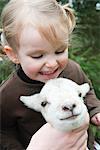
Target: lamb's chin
[(69, 124)]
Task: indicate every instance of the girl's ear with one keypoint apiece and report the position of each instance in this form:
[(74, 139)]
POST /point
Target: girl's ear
[(12, 55)]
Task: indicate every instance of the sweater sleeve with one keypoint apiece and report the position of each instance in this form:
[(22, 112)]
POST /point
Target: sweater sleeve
[(8, 133)]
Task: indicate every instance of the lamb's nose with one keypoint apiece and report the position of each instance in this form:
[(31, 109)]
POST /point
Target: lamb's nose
[(70, 108)]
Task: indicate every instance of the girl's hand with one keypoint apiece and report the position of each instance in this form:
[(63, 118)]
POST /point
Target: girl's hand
[(96, 119)]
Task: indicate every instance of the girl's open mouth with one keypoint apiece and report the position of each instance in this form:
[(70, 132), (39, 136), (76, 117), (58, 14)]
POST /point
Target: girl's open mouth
[(50, 74)]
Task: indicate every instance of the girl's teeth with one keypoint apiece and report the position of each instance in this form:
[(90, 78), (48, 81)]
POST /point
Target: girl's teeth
[(47, 73)]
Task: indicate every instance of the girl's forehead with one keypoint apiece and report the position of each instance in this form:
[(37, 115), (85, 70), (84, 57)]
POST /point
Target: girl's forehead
[(54, 36)]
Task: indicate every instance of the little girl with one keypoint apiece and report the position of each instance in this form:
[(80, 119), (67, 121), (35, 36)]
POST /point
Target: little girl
[(36, 37)]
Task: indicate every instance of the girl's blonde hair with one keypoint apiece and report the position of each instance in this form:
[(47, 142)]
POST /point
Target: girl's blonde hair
[(53, 21)]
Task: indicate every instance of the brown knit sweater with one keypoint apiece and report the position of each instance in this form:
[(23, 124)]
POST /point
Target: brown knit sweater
[(18, 123)]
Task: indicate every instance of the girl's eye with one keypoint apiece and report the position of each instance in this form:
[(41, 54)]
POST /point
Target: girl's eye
[(60, 52), (37, 57)]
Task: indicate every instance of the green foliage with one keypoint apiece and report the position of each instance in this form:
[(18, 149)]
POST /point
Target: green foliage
[(6, 67), (88, 24), (95, 130), (2, 4)]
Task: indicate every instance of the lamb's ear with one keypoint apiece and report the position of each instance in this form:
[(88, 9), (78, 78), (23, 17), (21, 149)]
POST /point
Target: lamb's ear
[(84, 89), (32, 102)]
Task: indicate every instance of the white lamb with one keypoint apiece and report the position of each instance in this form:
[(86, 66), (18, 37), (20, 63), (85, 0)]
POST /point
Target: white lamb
[(61, 104)]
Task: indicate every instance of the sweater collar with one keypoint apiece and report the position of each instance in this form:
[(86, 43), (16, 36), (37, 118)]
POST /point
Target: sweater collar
[(24, 77)]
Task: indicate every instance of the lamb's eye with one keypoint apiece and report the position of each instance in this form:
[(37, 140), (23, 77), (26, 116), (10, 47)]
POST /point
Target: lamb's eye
[(44, 103), (80, 94)]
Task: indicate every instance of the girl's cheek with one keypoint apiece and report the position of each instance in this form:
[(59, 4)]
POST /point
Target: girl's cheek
[(64, 61), (32, 69)]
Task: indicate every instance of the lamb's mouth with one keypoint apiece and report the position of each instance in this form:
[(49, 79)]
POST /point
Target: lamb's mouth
[(70, 117)]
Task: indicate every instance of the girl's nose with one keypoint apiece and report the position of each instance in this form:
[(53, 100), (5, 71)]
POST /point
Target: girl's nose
[(51, 63)]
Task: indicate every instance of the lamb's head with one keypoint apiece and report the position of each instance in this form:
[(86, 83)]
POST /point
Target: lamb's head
[(61, 103)]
